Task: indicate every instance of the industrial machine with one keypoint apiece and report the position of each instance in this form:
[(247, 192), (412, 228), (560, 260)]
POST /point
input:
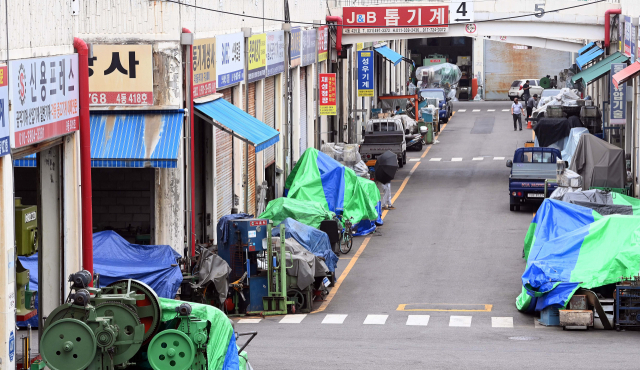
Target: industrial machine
[(627, 303), (26, 230)]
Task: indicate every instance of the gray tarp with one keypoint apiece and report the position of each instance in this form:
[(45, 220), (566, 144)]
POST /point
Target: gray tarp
[(306, 266), (599, 163), (213, 268), (591, 196)]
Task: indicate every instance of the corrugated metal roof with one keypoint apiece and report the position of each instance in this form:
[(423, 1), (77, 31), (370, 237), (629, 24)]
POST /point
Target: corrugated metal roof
[(599, 69), (389, 54), (239, 123), (586, 48), (588, 57), (626, 74)]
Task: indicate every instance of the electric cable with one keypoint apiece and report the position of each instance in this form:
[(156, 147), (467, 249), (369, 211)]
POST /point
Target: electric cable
[(370, 26)]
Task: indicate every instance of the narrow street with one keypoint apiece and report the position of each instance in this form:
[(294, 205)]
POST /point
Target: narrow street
[(435, 287)]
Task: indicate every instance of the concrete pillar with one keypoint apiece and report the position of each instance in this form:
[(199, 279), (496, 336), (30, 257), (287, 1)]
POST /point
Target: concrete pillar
[(260, 116), (238, 151), (72, 225), (280, 125), (295, 121), (310, 80)]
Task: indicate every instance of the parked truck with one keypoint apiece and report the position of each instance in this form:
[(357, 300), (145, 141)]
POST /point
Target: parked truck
[(530, 168), (381, 135)]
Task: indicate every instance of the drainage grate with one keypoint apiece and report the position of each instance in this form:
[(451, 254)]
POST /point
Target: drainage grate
[(524, 338)]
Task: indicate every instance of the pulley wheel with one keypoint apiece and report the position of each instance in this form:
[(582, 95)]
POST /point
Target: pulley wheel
[(68, 344), (128, 323), (298, 299), (171, 349), (148, 309)]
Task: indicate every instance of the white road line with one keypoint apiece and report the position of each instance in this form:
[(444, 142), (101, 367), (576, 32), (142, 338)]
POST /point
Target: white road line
[(334, 319), (506, 110), (375, 320), (478, 158), (418, 320), (414, 159), (293, 319), (476, 110), (498, 158), (435, 159), (460, 321), (456, 159), (491, 110), (249, 321), (502, 322), (462, 110)]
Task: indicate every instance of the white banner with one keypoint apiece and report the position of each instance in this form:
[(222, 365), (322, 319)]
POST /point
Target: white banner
[(229, 59), (44, 96)]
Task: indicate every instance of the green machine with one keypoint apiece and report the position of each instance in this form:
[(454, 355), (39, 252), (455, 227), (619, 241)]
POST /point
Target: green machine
[(26, 231)]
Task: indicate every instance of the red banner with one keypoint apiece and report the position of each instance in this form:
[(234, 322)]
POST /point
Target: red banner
[(407, 19), (328, 94)]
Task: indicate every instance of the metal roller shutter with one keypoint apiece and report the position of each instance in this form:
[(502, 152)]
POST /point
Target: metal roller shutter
[(224, 175), (504, 64), (303, 110), (270, 116), (252, 155)]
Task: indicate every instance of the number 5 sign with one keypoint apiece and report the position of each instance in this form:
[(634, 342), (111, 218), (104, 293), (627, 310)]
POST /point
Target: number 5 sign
[(461, 11)]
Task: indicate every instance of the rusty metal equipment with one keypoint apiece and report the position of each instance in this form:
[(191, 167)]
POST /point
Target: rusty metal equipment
[(627, 305)]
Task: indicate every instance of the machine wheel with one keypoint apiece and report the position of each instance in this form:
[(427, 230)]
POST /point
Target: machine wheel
[(171, 349), (128, 322), (148, 309), (297, 297), (68, 344)]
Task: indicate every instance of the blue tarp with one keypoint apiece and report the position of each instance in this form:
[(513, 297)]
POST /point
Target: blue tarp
[(223, 225), (314, 240), (115, 259), (389, 54)]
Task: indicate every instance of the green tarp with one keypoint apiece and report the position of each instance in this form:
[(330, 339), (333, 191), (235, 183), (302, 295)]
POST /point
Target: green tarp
[(307, 212)]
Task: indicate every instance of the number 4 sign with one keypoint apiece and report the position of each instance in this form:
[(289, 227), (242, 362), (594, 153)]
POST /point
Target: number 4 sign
[(461, 11)]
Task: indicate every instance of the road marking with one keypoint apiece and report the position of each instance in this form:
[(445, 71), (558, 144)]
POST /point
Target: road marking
[(460, 321), (249, 321), (435, 159), (293, 319), (461, 110), (506, 110), (414, 159), (485, 307), (418, 320), (498, 158), (456, 159), (502, 322), (491, 110), (334, 319), (375, 320), (476, 110), (478, 158)]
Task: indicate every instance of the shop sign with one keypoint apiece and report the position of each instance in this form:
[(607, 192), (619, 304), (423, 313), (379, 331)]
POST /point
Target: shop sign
[(204, 67), (229, 59), (620, 32), (275, 53), (407, 19), (308, 47), (323, 43), (359, 46), (4, 111), (121, 75), (618, 114), (365, 73), (328, 94), (44, 98), (296, 47), (627, 36), (257, 54), (634, 39)]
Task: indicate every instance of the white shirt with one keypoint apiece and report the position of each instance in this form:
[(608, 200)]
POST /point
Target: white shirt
[(517, 108)]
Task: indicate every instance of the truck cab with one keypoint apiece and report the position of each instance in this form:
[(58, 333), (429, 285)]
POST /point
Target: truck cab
[(530, 168), (445, 107)]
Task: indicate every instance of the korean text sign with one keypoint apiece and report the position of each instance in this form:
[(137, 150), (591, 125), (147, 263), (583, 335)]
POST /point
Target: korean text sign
[(4, 111), (308, 47), (230, 59), (204, 67), (45, 98), (627, 36), (121, 75), (408, 19), (296, 47), (323, 43), (365, 73), (275, 53), (257, 55), (328, 94), (618, 98)]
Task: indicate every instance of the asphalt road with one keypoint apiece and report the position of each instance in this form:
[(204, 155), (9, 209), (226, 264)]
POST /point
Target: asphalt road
[(450, 244)]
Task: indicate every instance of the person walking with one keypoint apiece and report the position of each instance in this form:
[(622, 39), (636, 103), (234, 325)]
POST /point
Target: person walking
[(516, 112), (531, 104), (526, 94)]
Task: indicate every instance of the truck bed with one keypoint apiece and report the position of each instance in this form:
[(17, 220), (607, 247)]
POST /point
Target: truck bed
[(533, 171)]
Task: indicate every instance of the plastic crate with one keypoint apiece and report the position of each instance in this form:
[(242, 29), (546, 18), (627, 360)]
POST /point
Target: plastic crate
[(550, 316)]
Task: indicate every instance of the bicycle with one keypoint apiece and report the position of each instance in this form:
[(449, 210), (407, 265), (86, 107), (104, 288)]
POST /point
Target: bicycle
[(346, 241)]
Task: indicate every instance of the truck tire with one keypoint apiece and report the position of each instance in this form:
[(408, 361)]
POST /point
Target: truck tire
[(445, 119), (400, 162), (404, 157)]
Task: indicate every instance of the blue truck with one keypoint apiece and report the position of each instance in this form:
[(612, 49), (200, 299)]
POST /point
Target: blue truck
[(530, 168)]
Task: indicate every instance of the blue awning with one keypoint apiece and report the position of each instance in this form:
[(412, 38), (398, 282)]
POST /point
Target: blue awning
[(389, 54), (132, 139), (238, 123), (588, 57), (586, 47)]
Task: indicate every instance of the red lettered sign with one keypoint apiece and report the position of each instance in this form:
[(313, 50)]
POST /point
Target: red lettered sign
[(328, 94), (403, 19)]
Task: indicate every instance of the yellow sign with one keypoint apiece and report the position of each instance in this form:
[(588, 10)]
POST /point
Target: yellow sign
[(359, 46), (257, 55), (365, 93), (328, 110), (121, 75), (204, 67)]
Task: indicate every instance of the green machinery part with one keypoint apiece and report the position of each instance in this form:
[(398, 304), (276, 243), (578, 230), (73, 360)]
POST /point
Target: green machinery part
[(545, 82)]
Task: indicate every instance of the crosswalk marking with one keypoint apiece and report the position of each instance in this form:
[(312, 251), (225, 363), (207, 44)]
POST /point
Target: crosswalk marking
[(462, 110), (418, 320), (414, 159), (249, 321), (435, 159), (476, 110), (478, 158), (498, 158), (375, 320), (502, 322), (334, 319), (456, 159), (460, 321), (491, 110), (293, 319), (506, 110)]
